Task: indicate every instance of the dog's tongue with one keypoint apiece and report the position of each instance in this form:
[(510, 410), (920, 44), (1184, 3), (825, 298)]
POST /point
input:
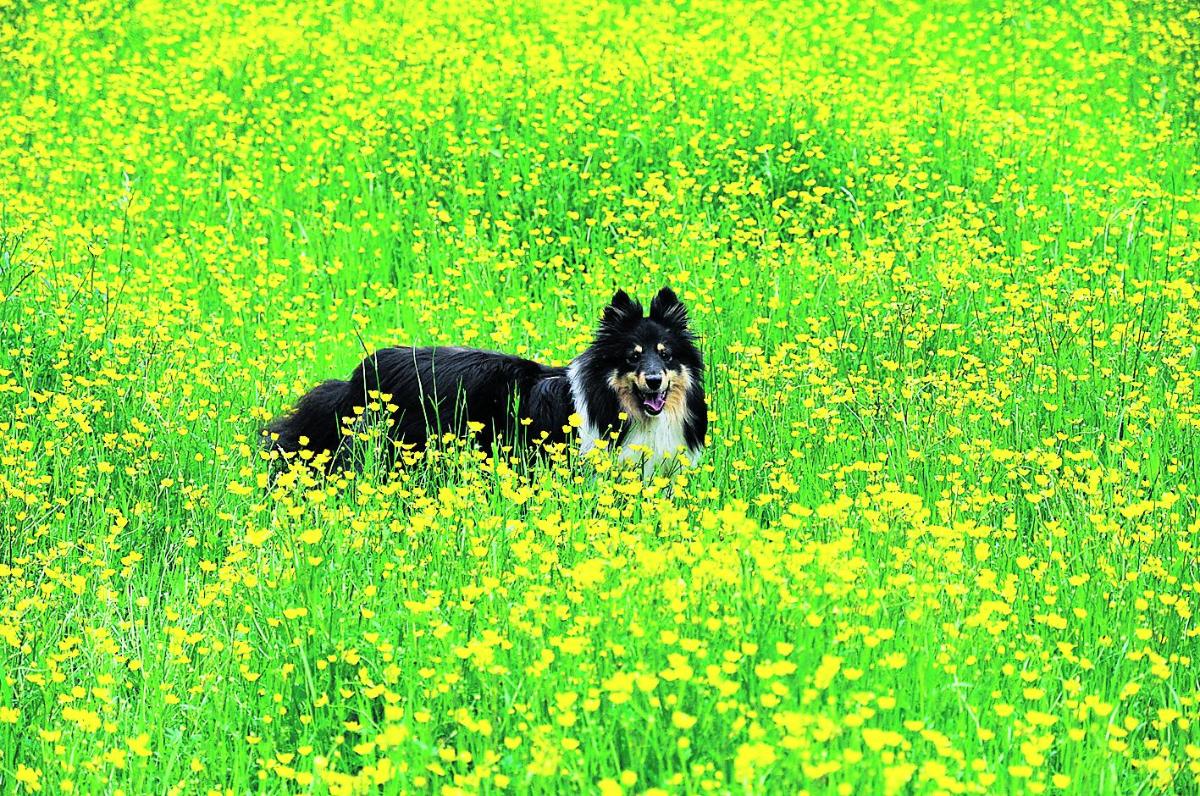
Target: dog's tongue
[(655, 402)]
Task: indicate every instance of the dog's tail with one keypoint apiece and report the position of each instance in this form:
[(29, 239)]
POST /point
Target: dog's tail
[(316, 422)]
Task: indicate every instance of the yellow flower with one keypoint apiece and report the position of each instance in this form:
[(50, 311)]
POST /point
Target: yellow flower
[(140, 745), (29, 777), (682, 721)]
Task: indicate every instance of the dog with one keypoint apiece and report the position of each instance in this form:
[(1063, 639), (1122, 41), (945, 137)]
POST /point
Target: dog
[(638, 387)]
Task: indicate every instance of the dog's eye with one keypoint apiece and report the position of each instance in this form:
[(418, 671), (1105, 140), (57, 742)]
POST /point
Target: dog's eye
[(632, 356), (667, 356)]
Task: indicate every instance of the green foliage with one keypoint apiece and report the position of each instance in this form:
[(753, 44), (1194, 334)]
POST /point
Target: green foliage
[(944, 260)]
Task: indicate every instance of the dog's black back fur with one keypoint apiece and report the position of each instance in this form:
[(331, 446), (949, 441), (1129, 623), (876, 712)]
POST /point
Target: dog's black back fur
[(436, 390)]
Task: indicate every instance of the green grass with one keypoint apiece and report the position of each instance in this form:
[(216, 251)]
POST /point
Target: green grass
[(943, 259)]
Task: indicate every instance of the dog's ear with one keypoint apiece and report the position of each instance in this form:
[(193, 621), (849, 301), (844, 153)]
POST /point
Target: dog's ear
[(620, 311), (667, 309)]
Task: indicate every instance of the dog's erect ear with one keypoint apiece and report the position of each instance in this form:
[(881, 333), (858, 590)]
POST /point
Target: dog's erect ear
[(667, 309), (621, 310)]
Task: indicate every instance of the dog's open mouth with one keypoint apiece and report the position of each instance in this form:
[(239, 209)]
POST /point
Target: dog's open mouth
[(653, 402)]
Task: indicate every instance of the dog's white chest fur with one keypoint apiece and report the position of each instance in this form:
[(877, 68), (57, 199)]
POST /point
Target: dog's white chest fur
[(654, 441)]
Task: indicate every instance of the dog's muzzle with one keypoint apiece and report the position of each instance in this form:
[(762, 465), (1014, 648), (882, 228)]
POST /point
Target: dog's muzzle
[(653, 396)]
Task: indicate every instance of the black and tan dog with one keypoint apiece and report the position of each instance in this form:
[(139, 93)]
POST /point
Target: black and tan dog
[(640, 383)]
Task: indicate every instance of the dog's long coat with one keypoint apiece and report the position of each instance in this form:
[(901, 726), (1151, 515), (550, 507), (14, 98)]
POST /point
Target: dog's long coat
[(436, 390)]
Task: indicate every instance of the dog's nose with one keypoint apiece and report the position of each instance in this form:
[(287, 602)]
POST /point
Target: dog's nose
[(654, 382)]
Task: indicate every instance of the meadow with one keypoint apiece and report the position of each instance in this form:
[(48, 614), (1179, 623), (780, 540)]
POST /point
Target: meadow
[(945, 262)]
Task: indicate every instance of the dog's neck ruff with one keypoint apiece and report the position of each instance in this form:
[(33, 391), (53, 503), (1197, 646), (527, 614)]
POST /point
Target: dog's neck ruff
[(656, 442)]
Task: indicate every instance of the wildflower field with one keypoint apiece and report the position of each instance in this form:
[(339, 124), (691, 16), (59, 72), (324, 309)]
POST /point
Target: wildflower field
[(944, 259)]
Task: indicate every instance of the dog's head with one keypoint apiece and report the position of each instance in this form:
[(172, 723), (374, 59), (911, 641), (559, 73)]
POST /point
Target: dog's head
[(649, 360)]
